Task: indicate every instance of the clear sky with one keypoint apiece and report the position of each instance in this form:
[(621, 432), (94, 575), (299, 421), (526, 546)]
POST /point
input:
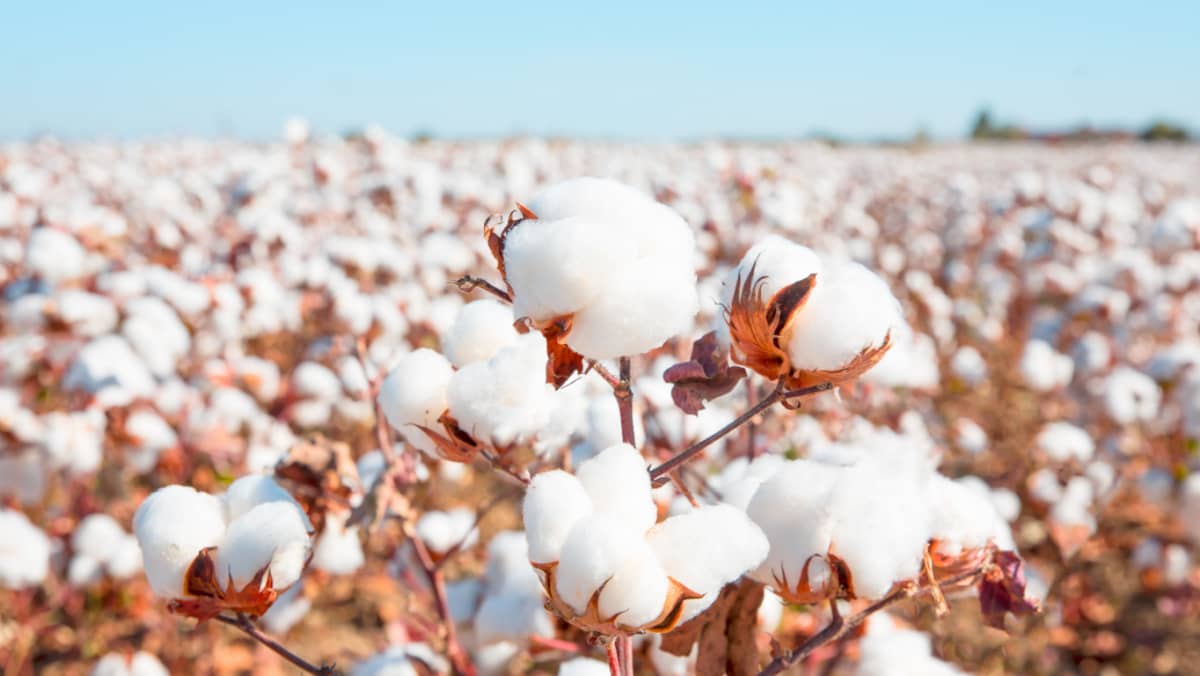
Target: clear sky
[(639, 70)]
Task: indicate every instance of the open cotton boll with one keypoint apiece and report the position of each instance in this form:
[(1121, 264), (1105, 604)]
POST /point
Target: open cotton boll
[(792, 509), (54, 255), (969, 365), (443, 530), (1062, 441), (741, 478), (273, 536), (338, 549), (778, 261), (108, 368), (414, 393), (1131, 396), (850, 310), (140, 664), (636, 592), (1043, 368), (508, 569), (74, 441), (888, 650), (618, 484), (558, 266), (707, 548), (595, 549), (493, 659), (172, 525), (480, 330), (126, 558), (24, 551), (505, 399), (512, 617), (554, 502), (251, 491), (398, 660), (969, 436), (88, 314), (313, 380), (583, 666), (98, 536), (964, 516)]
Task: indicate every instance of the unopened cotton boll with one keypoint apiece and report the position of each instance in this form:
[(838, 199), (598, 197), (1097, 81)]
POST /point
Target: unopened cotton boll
[(505, 399), (24, 551), (172, 526), (414, 393), (554, 503), (271, 537), (481, 329), (618, 484)]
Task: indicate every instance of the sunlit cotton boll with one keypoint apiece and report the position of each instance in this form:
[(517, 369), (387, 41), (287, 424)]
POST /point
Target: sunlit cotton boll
[(1062, 441), (172, 526), (481, 329), (442, 531), (594, 551), (101, 544), (338, 549), (273, 536), (414, 393), (554, 502), (505, 399), (619, 485), (54, 255), (1043, 368), (619, 262), (1131, 396), (139, 664), (24, 551), (583, 666)]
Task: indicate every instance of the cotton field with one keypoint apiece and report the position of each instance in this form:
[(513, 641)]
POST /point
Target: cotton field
[(371, 406)]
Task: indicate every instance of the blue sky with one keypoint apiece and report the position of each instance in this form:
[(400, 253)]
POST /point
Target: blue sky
[(636, 70)]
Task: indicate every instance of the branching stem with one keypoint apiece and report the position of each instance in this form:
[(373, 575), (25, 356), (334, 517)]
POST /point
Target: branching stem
[(247, 627)]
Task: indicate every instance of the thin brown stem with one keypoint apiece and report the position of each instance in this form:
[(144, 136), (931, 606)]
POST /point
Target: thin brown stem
[(247, 627), (624, 394), (458, 656), (468, 284), (612, 380)]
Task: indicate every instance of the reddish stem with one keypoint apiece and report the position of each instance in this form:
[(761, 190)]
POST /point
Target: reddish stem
[(614, 658), (246, 626), (458, 656)]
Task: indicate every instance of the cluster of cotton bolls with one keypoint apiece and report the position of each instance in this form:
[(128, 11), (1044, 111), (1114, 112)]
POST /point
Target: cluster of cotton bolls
[(185, 312)]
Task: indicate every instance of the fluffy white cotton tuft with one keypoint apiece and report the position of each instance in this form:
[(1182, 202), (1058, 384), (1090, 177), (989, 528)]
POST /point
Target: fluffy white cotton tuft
[(618, 484), (888, 650), (1131, 396), (637, 589), (140, 664), (338, 549), (592, 553), (24, 551), (172, 526), (414, 393), (554, 502), (1062, 441), (1043, 368), (792, 509), (505, 399), (583, 666), (54, 255), (443, 530), (481, 329), (273, 536)]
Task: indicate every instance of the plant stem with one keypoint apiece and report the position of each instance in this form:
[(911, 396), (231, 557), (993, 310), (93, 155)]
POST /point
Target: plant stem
[(246, 626), (761, 405), (624, 394), (458, 656), (614, 658), (468, 284), (625, 647)]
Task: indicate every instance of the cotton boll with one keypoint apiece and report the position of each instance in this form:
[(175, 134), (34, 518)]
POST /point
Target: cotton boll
[(442, 531), (505, 399), (273, 536), (888, 650), (414, 393), (592, 553), (969, 365), (493, 659), (583, 666), (1044, 486), (481, 329), (1062, 441), (554, 502), (1043, 368), (850, 310), (637, 590), (512, 617), (98, 536), (556, 267), (964, 516), (338, 549), (126, 559), (88, 314), (970, 436), (1131, 396), (618, 484), (740, 479), (398, 661), (251, 491), (313, 380), (152, 436), (778, 261), (54, 255), (508, 569), (141, 664), (74, 441), (707, 548), (109, 369), (172, 525), (792, 509), (24, 551)]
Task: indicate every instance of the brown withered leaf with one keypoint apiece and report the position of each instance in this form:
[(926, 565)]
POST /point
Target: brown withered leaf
[(706, 376), (321, 475), (725, 632), (1002, 590)]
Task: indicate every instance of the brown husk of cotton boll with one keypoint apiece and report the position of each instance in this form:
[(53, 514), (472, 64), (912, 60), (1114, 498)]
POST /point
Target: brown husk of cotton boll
[(207, 598), (591, 620), (561, 361), (726, 632), (704, 377), (321, 475), (495, 239), (455, 445), (759, 331)]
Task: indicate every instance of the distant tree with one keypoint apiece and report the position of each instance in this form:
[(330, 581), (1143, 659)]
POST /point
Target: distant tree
[(982, 128), (1162, 130)]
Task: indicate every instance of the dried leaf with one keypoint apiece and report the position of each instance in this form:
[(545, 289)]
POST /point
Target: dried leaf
[(1002, 590), (561, 361), (706, 376), (725, 632), (456, 445), (321, 475)]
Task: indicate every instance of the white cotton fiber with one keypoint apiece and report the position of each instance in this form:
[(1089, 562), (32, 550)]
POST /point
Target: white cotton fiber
[(778, 261), (793, 511), (338, 549), (707, 548), (109, 369), (512, 617), (505, 399), (964, 516), (618, 483), (1043, 368), (583, 666), (172, 526), (554, 502), (251, 491), (1131, 396), (850, 310), (443, 530), (141, 664), (969, 365), (271, 535), (316, 381), (1062, 441), (414, 393), (508, 569), (97, 535), (740, 479), (24, 551), (557, 267), (888, 650), (592, 553), (54, 255), (480, 330), (637, 590)]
